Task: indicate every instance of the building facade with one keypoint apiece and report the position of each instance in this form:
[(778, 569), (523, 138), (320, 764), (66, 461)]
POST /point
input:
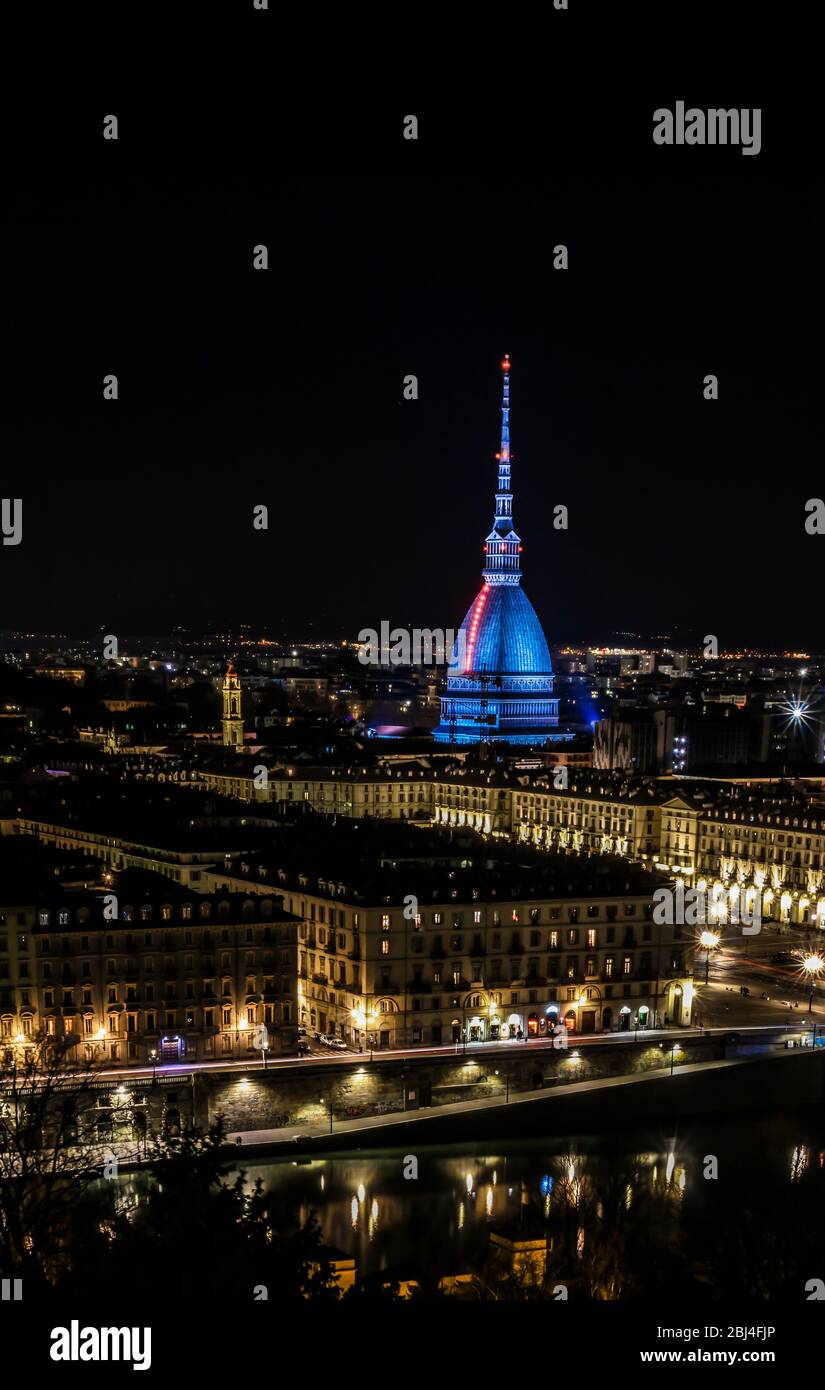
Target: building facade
[(163, 979), (393, 975), (767, 837)]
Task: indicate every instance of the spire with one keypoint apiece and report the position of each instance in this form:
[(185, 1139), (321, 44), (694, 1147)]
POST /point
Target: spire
[(502, 548)]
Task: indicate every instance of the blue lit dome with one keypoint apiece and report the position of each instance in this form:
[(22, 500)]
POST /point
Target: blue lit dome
[(502, 635), (500, 683)]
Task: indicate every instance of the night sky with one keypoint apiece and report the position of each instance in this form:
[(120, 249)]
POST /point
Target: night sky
[(284, 387)]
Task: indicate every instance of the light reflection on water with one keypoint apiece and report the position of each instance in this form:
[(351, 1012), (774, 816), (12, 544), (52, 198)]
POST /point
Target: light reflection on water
[(440, 1222), (709, 1183)]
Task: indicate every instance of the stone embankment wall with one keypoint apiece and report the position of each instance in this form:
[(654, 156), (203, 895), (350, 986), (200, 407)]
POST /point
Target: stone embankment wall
[(256, 1099)]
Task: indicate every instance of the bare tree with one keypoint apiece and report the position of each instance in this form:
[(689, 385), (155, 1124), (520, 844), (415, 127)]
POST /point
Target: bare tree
[(50, 1156)]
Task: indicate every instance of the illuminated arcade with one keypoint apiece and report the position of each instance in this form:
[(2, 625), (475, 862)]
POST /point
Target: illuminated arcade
[(500, 686)]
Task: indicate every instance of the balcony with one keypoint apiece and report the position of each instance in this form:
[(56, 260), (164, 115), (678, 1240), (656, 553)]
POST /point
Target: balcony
[(420, 987)]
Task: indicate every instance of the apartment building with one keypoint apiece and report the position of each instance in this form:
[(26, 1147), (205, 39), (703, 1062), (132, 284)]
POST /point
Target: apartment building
[(403, 793), (148, 974), (767, 844), (439, 951), (765, 836)]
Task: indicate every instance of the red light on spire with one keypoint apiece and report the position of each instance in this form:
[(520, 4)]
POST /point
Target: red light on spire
[(505, 366)]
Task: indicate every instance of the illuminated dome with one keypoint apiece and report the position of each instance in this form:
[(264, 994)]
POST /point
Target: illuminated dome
[(501, 635), (500, 682)]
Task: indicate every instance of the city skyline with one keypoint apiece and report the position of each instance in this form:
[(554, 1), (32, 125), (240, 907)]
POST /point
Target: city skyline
[(412, 706)]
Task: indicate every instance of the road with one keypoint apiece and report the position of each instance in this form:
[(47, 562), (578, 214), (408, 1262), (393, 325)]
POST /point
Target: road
[(746, 961), (731, 1009)]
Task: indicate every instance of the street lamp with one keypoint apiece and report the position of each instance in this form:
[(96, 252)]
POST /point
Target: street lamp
[(154, 1057), (812, 966), (363, 1018), (709, 940), (371, 1017), (243, 1027)]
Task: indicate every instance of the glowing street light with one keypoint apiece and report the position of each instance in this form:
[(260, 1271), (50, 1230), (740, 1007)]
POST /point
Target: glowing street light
[(709, 940), (363, 1018), (812, 967)]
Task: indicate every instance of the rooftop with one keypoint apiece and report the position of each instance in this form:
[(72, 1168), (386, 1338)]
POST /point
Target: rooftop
[(383, 862)]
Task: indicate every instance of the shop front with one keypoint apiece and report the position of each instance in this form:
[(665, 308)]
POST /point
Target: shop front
[(513, 1028), (540, 1025)]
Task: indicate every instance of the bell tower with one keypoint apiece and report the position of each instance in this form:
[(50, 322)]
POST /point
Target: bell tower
[(232, 720)]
